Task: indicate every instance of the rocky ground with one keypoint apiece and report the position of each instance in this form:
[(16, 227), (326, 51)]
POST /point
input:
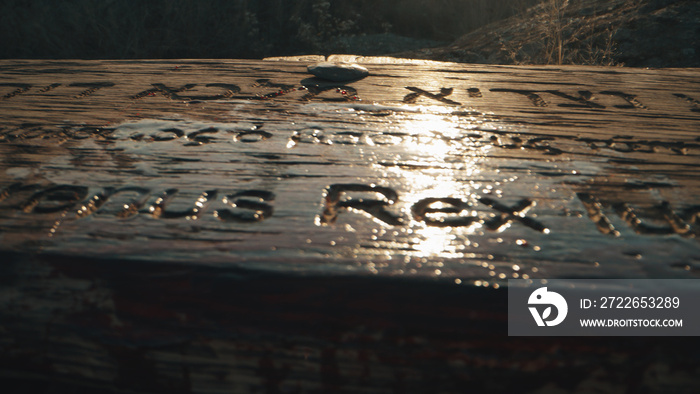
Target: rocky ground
[(637, 33)]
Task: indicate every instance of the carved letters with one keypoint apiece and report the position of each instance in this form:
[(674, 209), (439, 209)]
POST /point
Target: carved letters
[(337, 198), (377, 202), (425, 210), (20, 88), (674, 223), (435, 212), (441, 97), (126, 202), (251, 206), (582, 99), (506, 215), (92, 87)]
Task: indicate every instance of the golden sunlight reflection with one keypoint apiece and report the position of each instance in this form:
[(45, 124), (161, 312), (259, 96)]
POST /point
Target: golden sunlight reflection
[(440, 162), (435, 241)]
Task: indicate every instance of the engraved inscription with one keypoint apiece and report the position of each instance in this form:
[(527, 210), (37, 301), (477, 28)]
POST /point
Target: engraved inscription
[(347, 93), (229, 91), (94, 203), (175, 93), (631, 99), (49, 88), (202, 136), (474, 93), (675, 223), (160, 208), (695, 104), (595, 213), (55, 199), (92, 87), (584, 99), (376, 202), (629, 145), (249, 206), (548, 145), (418, 92), (506, 215), (435, 212), (536, 143), (309, 136), (531, 95), (630, 217), (15, 192), (165, 91), (340, 197), (254, 135), (281, 89), (122, 203), (129, 201), (20, 88), (168, 134), (443, 212)]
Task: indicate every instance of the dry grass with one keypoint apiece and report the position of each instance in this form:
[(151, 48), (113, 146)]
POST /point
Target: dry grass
[(554, 47), (560, 34), (574, 39)]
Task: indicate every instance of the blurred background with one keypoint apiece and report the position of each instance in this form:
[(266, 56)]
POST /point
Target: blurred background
[(605, 32), (234, 29)]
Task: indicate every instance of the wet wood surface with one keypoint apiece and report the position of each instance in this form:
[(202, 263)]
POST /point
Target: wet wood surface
[(241, 225)]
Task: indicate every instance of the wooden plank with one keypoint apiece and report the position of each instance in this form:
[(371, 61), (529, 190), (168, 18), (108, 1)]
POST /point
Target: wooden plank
[(585, 151), (237, 225)]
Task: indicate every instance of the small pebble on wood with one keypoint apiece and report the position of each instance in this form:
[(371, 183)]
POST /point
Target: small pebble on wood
[(338, 72)]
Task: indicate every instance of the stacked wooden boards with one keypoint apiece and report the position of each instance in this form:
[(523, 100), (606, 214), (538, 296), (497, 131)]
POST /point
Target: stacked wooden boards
[(238, 225)]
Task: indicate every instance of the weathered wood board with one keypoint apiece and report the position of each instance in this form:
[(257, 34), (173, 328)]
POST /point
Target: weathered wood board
[(605, 159), (144, 191)]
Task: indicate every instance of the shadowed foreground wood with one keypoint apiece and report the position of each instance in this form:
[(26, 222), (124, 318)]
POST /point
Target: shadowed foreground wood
[(238, 226)]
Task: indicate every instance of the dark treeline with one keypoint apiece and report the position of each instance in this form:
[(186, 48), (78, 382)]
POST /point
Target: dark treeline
[(127, 29)]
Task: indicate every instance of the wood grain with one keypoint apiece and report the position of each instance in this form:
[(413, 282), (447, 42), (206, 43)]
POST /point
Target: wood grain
[(578, 143), (130, 186)]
